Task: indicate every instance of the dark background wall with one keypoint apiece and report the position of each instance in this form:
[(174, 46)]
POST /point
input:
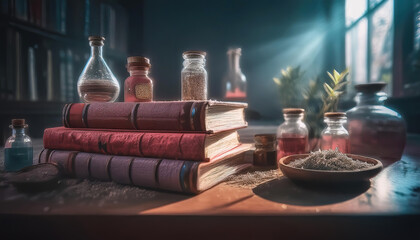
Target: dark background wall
[(272, 35)]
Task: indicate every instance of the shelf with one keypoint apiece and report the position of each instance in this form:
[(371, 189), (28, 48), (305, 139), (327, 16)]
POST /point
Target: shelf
[(30, 108), (38, 30)]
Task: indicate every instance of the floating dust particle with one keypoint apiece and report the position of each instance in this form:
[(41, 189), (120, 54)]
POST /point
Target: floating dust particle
[(329, 160), (253, 177), (194, 86)]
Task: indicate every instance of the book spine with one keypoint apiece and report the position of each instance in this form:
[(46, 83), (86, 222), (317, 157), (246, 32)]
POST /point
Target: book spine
[(188, 146), (173, 116), (172, 175)]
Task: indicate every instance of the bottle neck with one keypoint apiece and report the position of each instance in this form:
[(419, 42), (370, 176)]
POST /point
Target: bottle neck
[(370, 98), (194, 62), (96, 51), (335, 123), (138, 72), (234, 62), (293, 118), (18, 132)]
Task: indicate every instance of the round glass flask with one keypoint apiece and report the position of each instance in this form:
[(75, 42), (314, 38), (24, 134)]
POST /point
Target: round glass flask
[(96, 82)]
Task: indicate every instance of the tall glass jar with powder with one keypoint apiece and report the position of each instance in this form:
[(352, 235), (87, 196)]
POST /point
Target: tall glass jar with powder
[(194, 76)]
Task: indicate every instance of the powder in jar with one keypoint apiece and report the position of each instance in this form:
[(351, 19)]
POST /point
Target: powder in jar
[(194, 86), (329, 160)]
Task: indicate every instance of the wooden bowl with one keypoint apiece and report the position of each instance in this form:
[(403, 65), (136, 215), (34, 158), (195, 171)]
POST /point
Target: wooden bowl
[(326, 176)]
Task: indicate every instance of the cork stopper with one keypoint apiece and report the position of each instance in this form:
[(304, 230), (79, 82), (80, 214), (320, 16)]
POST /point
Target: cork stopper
[(96, 40), (138, 62), (293, 110), (334, 114), (265, 138), (18, 123), (194, 54), (370, 87)]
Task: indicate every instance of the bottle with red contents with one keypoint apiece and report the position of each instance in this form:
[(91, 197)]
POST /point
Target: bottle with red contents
[(292, 135), (335, 136), (138, 87)]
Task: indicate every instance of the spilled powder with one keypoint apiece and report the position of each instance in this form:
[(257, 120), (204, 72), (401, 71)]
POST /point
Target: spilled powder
[(88, 191), (332, 160), (253, 178)]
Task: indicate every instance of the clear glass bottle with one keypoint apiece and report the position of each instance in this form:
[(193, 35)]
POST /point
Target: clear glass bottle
[(96, 82), (292, 134), (234, 82), (138, 87), (265, 150), (194, 76), (335, 136), (18, 151), (374, 129)]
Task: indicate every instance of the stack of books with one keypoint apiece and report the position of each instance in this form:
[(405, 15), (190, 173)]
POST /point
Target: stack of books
[(184, 146)]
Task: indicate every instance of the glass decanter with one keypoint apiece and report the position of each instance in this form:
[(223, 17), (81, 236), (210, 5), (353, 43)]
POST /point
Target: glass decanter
[(234, 82), (375, 130), (96, 82), (335, 136), (292, 135), (18, 151)]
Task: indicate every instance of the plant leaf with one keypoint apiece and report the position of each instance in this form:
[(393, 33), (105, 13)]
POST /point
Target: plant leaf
[(277, 81), (331, 76), (337, 76)]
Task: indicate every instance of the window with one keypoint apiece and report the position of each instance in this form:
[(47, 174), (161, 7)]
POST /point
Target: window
[(369, 40)]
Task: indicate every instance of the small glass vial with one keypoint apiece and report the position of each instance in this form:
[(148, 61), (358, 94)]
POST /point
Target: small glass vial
[(138, 87), (335, 136), (18, 151), (265, 150), (292, 135), (96, 82), (194, 76)]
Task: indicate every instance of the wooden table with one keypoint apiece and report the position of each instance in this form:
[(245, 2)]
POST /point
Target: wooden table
[(388, 208)]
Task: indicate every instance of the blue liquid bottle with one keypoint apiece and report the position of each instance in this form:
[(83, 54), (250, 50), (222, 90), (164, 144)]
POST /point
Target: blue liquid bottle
[(18, 151)]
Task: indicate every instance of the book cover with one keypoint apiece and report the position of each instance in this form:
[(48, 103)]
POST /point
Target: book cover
[(170, 116), (167, 174), (188, 146)]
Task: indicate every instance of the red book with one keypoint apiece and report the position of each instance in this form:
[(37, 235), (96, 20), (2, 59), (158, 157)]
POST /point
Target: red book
[(188, 146), (173, 175), (181, 116)]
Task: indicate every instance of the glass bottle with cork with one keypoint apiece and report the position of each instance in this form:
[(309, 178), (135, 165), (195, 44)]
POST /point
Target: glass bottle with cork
[(265, 150), (335, 136), (138, 87), (292, 135), (18, 151), (234, 82), (194, 76), (96, 82)]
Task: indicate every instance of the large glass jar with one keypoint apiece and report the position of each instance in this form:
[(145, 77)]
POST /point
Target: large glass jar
[(18, 151), (96, 82), (234, 82), (194, 76), (292, 135), (138, 87), (375, 130), (335, 136)]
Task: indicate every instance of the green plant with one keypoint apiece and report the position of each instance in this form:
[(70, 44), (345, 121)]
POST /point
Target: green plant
[(330, 101), (316, 98), (288, 84)]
